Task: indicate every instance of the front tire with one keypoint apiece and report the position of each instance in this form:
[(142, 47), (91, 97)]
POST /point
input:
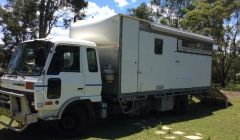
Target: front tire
[(72, 123)]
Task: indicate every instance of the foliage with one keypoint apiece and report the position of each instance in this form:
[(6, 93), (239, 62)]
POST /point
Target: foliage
[(29, 19), (232, 87), (47, 13), (221, 20), (142, 11), (172, 11), (167, 12), (18, 22)]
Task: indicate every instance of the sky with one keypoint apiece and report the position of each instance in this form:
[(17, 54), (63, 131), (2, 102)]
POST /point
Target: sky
[(97, 9)]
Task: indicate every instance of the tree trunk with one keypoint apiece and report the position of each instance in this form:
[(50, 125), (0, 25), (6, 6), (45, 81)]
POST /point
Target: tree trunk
[(223, 83), (41, 19), (235, 72)]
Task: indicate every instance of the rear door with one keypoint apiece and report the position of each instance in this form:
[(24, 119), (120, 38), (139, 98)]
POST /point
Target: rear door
[(129, 52), (64, 78), (151, 62)]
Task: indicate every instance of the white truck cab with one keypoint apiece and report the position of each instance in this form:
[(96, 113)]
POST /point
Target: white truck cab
[(37, 72)]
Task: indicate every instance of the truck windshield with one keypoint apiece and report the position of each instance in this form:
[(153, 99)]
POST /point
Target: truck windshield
[(29, 58)]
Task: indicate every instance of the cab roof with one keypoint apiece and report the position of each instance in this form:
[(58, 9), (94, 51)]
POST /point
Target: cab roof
[(66, 41)]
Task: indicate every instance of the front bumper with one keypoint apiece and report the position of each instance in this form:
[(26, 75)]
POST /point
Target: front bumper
[(16, 107)]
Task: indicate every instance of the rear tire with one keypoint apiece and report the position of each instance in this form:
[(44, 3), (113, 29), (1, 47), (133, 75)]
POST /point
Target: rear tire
[(181, 105), (72, 123)]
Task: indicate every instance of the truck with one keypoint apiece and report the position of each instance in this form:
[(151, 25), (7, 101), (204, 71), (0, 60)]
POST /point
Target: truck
[(121, 64)]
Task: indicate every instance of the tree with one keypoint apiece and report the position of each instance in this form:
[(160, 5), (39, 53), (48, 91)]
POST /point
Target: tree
[(48, 8), (142, 11), (220, 20), (28, 19), (172, 11), (167, 12), (18, 20)]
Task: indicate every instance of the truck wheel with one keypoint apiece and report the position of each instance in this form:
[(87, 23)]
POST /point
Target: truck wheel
[(72, 123), (181, 105), (134, 114)]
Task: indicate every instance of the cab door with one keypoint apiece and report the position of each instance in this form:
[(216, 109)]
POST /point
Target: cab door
[(92, 74), (64, 77)]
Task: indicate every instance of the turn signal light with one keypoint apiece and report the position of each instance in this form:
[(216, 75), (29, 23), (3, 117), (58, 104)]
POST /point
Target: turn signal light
[(48, 103), (29, 85)]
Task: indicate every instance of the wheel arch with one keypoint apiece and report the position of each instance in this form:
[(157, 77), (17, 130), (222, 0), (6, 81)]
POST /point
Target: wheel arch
[(74, 102)]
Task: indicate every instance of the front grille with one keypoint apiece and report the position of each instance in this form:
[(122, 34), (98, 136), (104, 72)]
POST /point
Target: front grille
[(15, 91), (4, 99)]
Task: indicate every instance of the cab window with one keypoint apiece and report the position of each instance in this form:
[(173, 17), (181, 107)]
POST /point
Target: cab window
[(65, 59), (92, 60)]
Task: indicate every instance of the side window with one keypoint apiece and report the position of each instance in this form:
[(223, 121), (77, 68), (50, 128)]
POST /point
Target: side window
[(195, 47), (189, 44), (158, 46), (92, 60), (65, 59)]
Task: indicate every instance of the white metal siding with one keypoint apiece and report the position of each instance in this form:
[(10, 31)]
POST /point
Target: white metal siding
[(93, 81), (129, 62), (172, 69), (150, 65)]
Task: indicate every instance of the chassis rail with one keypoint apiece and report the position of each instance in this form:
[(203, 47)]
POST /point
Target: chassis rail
[(16, 107)]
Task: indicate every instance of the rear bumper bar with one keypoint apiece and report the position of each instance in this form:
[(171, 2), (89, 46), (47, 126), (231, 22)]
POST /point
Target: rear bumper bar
[(16, 107)]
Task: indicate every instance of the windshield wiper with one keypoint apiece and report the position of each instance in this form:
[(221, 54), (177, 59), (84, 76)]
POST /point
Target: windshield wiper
[(18, 73)]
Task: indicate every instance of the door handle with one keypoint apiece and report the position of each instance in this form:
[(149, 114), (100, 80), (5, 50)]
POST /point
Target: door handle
[(80, 88)]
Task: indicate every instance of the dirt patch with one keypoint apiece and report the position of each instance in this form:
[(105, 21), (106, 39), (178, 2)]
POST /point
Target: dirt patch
[(231, 94)]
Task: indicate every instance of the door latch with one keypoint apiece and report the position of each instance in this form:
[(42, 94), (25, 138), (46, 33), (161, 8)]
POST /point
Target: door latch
[(80, 88)]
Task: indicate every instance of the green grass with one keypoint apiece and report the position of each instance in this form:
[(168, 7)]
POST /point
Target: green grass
[(229, 87), (211, 120), (232, 87)]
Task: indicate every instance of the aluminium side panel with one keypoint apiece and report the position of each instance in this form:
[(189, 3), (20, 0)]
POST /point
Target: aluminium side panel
[(194, 70), (103, 32), (157, 71), (171, 69), (129, 55), (151, 65), (108, 55)]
